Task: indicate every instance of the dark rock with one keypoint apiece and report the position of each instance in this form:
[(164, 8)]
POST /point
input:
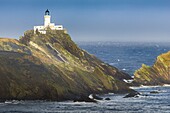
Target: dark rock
[(107, 99), (85, 99), (132, 94), (154, 92), (144, 95)]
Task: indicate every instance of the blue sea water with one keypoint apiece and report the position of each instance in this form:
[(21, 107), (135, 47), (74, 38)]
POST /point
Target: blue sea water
[(127, 57)]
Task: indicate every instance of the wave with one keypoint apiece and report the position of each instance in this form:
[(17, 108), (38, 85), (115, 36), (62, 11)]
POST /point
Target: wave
[(13, 102), (166, 85), (143, 86)]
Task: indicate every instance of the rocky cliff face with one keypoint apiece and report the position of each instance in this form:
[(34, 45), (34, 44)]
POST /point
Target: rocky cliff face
[(53, 67), (158, 74)]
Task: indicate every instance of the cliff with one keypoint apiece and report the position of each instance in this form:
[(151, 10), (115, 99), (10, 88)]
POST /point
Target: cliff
[(53, 67), (158, 74)]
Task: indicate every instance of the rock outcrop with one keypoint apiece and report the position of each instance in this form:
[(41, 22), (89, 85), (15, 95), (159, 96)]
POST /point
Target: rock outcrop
[(158, 74), (53, 67)]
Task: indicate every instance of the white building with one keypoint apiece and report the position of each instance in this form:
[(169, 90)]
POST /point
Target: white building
[(48, 24)]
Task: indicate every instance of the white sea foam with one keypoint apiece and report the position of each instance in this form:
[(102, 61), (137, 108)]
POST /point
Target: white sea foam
[(91, 96), (134, 87), (8, 102), (128, 81), (143, 86), (167, 85), (111, 93), (12, 102), (112, 63)]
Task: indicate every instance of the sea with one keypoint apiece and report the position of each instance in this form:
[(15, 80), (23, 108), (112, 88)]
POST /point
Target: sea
[(126, 56)]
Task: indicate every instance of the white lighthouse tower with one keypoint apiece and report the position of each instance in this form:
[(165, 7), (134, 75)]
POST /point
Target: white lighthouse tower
[(47, 18), (48, 24)]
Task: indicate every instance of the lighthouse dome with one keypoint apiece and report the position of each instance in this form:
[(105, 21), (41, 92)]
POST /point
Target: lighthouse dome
[(47, 12)]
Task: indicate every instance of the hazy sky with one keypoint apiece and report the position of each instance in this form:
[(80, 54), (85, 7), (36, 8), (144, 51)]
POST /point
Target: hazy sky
[(91, 20)]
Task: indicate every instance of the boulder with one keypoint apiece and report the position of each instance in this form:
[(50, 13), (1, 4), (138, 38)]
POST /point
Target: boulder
[(85, 99), (107, 99), (154, 92), (132, 94)]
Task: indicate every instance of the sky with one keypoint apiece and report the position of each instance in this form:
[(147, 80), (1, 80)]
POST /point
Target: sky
[(91, 20)]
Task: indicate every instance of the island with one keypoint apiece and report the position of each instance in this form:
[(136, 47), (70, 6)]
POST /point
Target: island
[(45, 64)]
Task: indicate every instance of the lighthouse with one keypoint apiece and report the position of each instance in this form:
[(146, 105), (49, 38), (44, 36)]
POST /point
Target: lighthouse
[(47, 18), (48, 24)]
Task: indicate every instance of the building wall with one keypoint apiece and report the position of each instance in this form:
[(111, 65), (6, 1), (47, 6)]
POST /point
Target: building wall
[(59, 27), (47, 20), (47, 23)]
